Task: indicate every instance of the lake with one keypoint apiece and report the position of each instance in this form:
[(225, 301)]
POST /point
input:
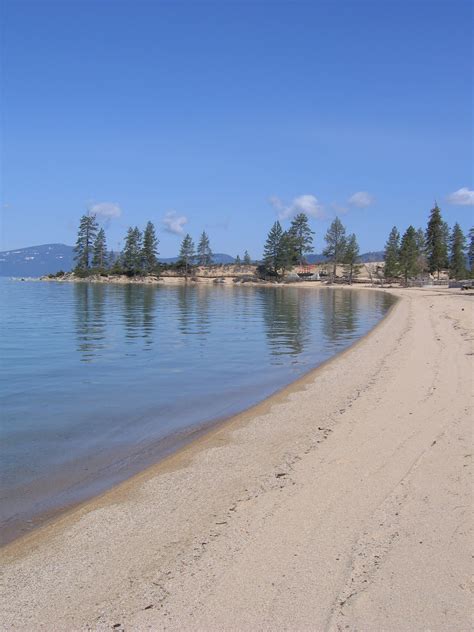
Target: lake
[(101, 380)]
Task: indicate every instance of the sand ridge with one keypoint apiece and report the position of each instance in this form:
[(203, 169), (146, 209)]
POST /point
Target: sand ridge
[(342, 503)]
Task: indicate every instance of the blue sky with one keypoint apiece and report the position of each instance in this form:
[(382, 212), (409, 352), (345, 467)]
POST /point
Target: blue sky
[(225, 115)]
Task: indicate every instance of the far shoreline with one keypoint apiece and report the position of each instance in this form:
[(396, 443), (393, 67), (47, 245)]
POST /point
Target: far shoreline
[(227, 279)]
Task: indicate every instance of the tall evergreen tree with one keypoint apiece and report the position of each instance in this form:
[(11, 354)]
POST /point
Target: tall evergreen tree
[(302, 236), (132, 255), (457, 253), (470, 251), (392, 254), (204, 253), (335, 244), (238, 262), (113, 260), (100, 256), (420, 240), (150, 249), (187, 253), (436, 241), (287, 256), (351, 256), (421, 244), (272, 249), (409, 254), (85, 240), (247, 259)]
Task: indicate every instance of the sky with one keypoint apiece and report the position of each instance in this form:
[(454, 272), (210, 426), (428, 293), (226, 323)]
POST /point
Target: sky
[(226, 116)]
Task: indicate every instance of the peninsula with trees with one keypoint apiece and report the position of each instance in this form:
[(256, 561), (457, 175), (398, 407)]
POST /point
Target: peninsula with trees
[(415, 256)]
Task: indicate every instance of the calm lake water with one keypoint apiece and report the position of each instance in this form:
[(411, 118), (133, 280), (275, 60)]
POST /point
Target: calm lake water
[(99, 381)]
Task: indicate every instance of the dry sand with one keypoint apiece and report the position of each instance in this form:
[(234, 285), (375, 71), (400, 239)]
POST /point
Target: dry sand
[(342, 503)]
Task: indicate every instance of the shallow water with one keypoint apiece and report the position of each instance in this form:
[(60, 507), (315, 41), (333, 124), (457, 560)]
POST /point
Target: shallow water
[(99, 381)]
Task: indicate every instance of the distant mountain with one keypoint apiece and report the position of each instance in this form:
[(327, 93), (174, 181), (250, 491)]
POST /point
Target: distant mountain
[(316, 259), (371, 257), (36, 260), (366, 257), (51, 258)]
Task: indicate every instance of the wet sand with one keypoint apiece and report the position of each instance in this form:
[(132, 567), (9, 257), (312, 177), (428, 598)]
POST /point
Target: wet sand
[(343, 502)]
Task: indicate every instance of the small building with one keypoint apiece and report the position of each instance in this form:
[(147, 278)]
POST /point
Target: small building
[(307, 271)]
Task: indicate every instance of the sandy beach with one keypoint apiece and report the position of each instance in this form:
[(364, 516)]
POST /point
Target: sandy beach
[(343, 502)]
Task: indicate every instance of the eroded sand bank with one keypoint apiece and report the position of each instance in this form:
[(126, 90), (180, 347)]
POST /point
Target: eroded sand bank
[(344, 502)]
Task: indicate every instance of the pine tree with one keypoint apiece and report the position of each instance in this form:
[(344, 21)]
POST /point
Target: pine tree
[(100, 256), (85, 239), (132, 255), (247, 259), (392, 254), (272, 249), (457, 253), (238, 262), (421, 244), (335, 244), (187, 253), (420, 240), (116, 263), (150, 249), (351, 256), (409, 254), (436, 241), (302, 236), (470, 252), (446, 242), (287, 255), (204, 253)]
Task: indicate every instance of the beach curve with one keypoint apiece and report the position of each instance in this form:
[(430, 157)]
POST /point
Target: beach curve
[(313, 510)]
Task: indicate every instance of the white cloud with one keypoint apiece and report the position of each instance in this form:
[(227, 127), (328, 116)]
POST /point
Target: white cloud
[(106, 210), (361, 199), (174, 223), (307, 204), (278, 205), (462, 197)]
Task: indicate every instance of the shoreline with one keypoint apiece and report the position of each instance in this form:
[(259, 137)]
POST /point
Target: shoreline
[(170, 547), (172, 445), (226, 274)]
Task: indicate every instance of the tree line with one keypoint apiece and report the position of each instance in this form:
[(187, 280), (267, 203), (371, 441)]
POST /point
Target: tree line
[(285, 249), (91, 255), (432, 250), (417, 251), (140, 252)]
